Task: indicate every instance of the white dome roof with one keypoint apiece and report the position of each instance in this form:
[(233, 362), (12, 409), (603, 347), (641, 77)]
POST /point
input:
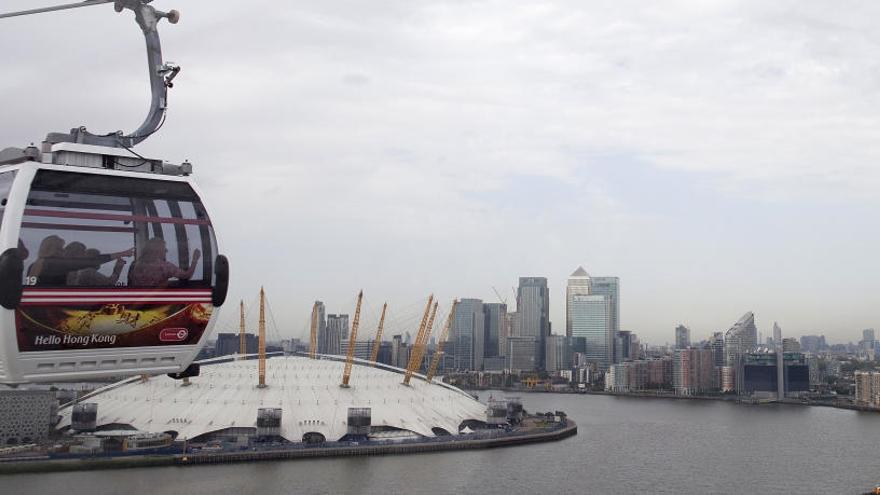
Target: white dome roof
[(226, 395)]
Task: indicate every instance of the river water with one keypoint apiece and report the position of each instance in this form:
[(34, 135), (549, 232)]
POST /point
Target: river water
[(624, 445)]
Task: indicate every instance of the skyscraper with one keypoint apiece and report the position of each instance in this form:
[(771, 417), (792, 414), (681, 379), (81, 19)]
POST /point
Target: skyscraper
[(610, 287), (741, 338), (623, 344), (682, 337), (533, 310), (868, 343), (558, 353), (591, 319), (469, 335), (716, 344), (521, 353), (509, 329), (322, 328), (777, 334), (578, 284), (496, 321)]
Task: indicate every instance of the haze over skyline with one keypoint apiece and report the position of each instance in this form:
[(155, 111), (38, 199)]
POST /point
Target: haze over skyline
[(717, 158)]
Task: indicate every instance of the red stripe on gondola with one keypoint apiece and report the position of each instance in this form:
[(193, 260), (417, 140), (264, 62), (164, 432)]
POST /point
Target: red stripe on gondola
[(117, 292), (61, 226), (101, 302), (111, 216), (116, 289)]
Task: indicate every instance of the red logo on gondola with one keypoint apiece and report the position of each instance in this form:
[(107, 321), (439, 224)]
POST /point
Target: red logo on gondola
[(173, 334)]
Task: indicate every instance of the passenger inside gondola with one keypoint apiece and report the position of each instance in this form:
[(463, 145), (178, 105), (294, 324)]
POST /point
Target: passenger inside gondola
[(91, 277), (55, 262), (151, 269)]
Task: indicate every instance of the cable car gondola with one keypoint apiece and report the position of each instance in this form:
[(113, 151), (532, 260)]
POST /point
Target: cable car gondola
[(109, 264)]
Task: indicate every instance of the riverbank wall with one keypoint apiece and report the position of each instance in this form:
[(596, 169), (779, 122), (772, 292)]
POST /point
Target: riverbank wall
[(45, 464)]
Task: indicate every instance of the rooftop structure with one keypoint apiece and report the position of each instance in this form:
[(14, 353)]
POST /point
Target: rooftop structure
[(226, 396)]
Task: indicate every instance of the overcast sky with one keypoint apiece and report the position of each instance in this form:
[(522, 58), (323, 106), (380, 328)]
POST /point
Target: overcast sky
[(719, 157)]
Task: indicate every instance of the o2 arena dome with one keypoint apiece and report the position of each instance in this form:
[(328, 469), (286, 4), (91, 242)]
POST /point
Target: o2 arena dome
[(301, 402)]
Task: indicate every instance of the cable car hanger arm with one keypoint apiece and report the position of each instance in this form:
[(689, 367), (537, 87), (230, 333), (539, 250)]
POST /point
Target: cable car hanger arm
[(161, 74), (55, 8)]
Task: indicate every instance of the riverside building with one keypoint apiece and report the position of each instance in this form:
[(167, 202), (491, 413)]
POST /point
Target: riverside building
[(867, 388)]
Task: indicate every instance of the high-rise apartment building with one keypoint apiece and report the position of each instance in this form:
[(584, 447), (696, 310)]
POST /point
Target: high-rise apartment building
[(362, 348), (468, 332), (399, 352), (791, 344), (533, 312), (323, 339), (336, 328), (741, 338), (867, 388), (230, 343), (682, 337), (694, 371)]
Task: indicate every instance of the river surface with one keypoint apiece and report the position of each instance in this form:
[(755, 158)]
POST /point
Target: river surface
[(624, 445)]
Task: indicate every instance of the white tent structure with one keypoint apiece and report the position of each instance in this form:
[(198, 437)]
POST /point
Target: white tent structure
[(225, 395)]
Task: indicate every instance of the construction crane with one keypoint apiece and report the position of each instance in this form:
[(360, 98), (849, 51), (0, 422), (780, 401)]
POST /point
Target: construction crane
[(421, 329), (352, 339), (374, 355), (498, 295), (313, 339), (418, 351), (262, 340), (439, 352), (242, 341)]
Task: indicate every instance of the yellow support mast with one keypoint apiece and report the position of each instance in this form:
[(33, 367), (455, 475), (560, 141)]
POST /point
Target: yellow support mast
[(352, 339), (262, 340), (374, 355), (418, 351), (313, 339), (439, 352), (421, 329), (242, 341)]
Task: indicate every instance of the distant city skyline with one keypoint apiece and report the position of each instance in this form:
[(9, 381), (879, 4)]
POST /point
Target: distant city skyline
[(652, 335), (558, 318)]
